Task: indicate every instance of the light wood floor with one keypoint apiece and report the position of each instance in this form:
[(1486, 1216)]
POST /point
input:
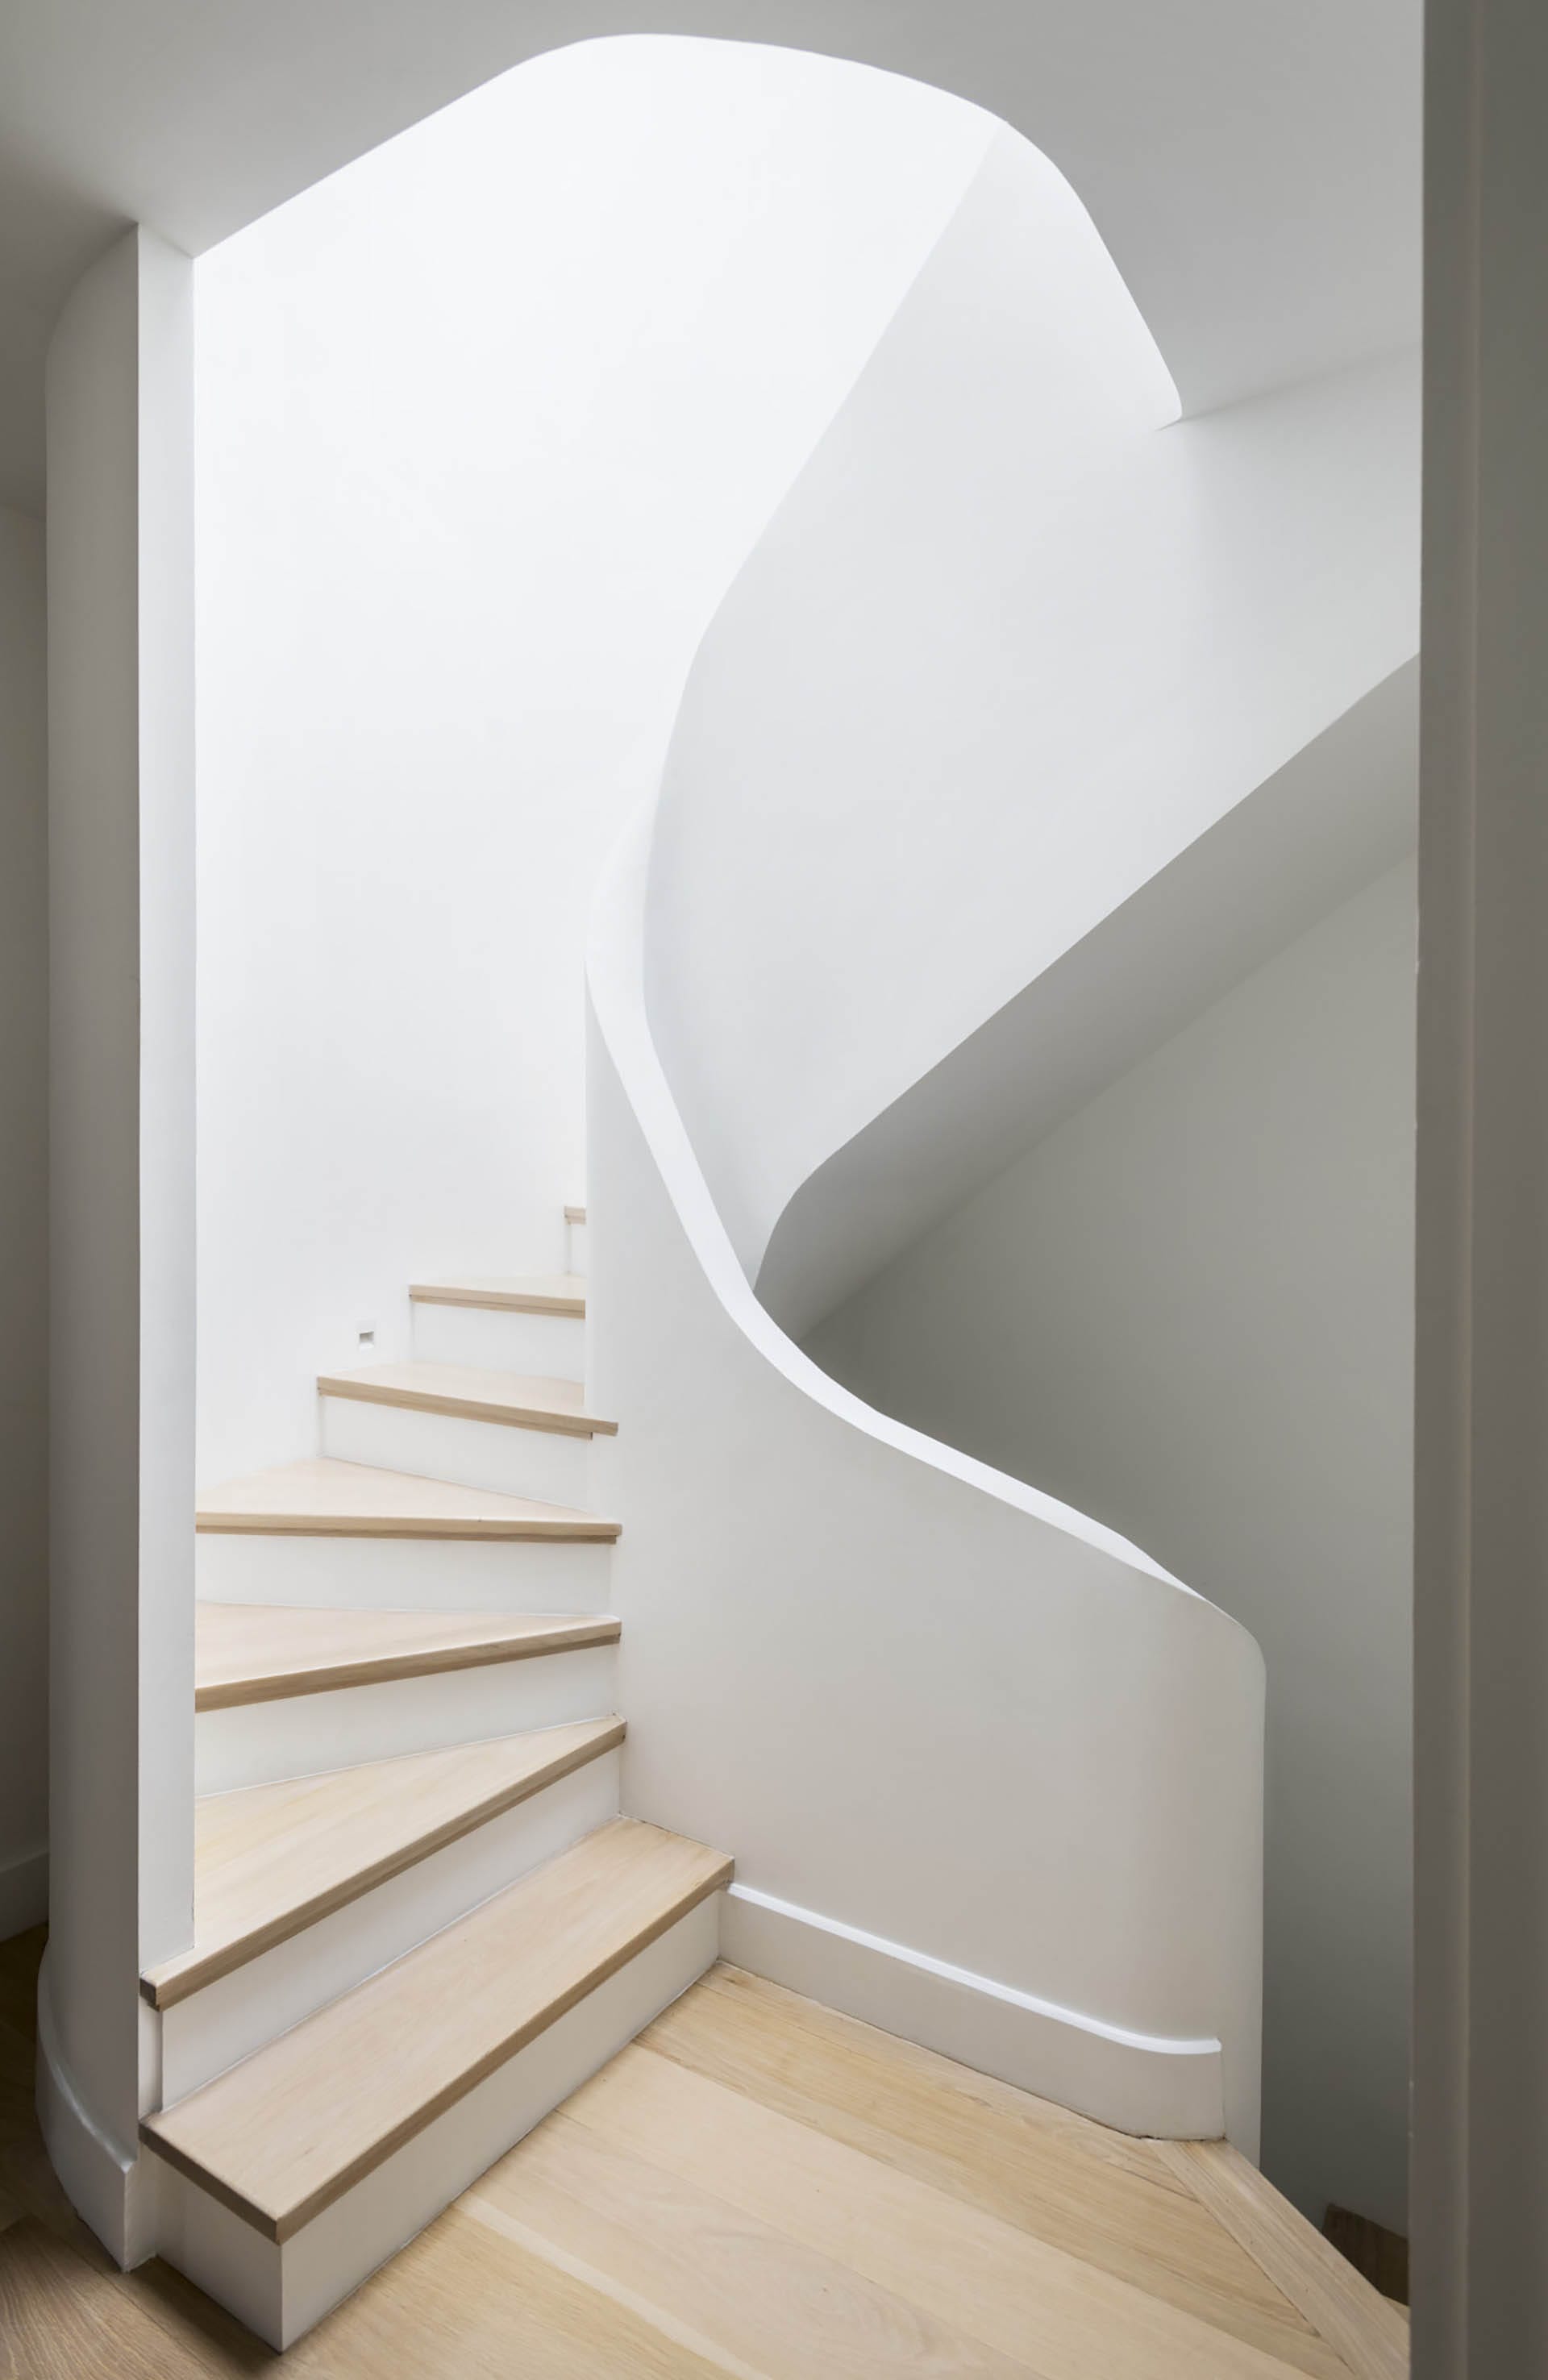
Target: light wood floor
[(761, 2189)]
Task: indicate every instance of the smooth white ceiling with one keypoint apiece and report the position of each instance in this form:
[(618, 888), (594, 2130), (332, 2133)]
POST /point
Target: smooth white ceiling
[(1252, 167)]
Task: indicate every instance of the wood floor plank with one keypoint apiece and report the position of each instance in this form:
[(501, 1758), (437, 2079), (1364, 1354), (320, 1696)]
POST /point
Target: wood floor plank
[(1367, 2331), (324, 1498), (765, 2303), (271, 1860), (464, 2302), (518, 1400), (689, 2217), (922, 2115), (995, 2110), (966, 2269), (61, 2319), (260, 1652)]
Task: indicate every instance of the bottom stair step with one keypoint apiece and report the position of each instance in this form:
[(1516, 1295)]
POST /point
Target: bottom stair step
[(295, 2174)]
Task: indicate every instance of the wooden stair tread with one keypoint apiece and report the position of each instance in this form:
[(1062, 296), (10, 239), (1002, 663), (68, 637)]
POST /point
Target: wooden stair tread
[(262, 1651), (575, 1214), (321, 1498), (521, 1400), (270, 1859), (559, 1292), (286, 2132)]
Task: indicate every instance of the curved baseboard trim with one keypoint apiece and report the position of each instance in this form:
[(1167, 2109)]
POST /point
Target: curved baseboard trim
[(106, 2183), (1154, 2085)]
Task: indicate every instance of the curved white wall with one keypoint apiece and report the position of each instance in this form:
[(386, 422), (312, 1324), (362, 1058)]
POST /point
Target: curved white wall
[(991, 1780), (1189, 1308), (485, 425), (1008, 647)]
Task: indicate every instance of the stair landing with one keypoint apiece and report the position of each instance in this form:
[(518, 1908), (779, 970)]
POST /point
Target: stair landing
[(761, 2185)]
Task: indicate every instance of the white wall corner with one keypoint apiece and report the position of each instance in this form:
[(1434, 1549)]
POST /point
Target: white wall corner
[(1163, 2089)]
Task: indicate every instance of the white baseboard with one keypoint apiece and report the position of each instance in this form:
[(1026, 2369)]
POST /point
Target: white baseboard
[(107, 2183), (1152, 2086), (23, 1891)]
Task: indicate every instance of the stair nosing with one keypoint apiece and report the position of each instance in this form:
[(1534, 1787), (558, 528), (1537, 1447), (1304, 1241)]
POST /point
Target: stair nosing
[(282, 2226), (568, 1634), (444, 1530), (568, 1304), (360, 1387), (520, 1520), (173, 1981)]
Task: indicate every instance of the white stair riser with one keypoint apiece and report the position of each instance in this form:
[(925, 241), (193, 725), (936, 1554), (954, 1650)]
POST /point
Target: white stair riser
[(228, 2020), (280, 2292), (405, 1574), (547, 1465), (552, 1345), (576, 1232), (299, 1735)]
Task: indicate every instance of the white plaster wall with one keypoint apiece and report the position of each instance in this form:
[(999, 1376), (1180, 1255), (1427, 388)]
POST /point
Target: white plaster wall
[(1188, 1311), (485, 425), (121, 1219), (915, 1696), (1014, 640), (23, 1228)]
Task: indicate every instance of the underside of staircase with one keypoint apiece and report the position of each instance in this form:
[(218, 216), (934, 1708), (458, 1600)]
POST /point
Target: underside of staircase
[(419, 1920)]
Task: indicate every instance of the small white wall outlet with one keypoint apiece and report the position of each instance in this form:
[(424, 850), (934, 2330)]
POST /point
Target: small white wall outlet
[(365, 1338)]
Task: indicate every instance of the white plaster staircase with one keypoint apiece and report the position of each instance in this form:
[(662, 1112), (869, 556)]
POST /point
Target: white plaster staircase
[(419, 1920)]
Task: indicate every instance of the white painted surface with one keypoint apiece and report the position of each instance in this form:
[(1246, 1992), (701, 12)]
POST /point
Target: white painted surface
[(406, 1573), (299, 1735), (1189, 1309), (574, 1234), (23, 1229), (1342, 811), (280, 2292), (550, 1346), (1300, 132), (485, 428), (907, 1691), (1028, 643), (1165, 2090), (121, 1696), (203, 2035), (548, 1465)]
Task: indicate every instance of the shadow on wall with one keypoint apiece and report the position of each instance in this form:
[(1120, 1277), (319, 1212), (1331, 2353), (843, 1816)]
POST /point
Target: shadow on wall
[(23, 1229), (1335, 815), (1189, 1310)]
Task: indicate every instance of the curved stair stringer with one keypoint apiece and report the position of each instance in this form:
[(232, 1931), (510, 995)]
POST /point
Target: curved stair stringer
[(992, 1778)]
